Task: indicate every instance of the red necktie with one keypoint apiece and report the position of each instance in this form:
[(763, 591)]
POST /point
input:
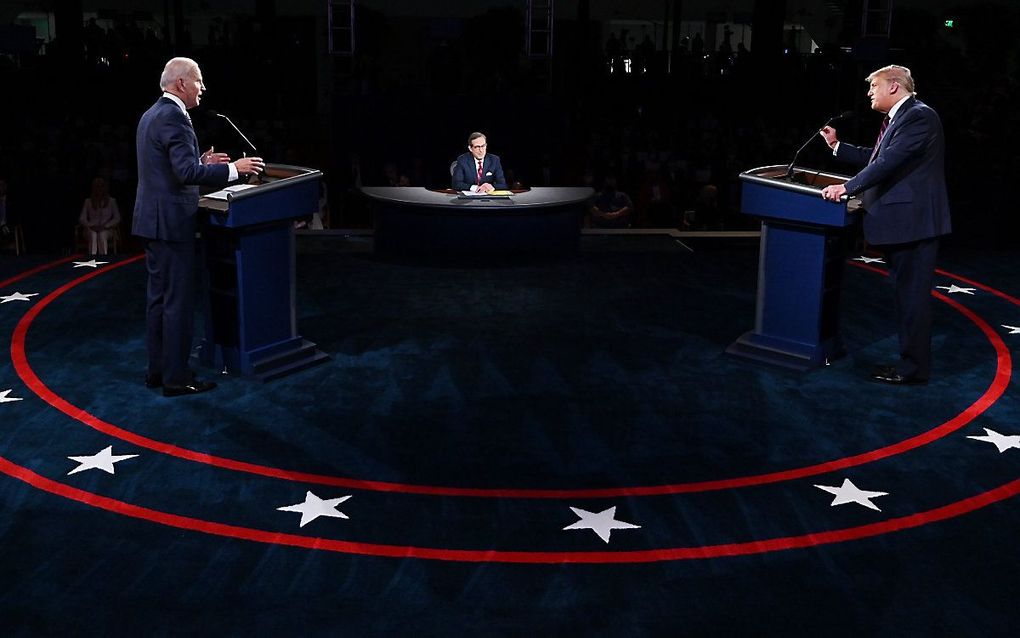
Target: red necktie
[(479, 172), (878, 142)]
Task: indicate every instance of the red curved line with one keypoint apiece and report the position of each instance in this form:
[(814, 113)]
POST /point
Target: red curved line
[(991, 395), (942, 513), (36, 270)]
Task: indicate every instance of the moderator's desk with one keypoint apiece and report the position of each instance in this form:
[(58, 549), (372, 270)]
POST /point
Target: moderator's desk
[(417, 220)]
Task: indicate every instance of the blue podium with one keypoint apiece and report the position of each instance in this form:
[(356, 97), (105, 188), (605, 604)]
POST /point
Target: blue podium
[(250, 316), (800, 267)]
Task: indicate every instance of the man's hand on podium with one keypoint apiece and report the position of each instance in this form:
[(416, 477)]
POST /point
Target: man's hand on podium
[(249, 165), (834, 193)]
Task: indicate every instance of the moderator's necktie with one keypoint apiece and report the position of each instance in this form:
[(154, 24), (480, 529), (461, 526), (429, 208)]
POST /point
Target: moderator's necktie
[(479, 172), (878, 142)]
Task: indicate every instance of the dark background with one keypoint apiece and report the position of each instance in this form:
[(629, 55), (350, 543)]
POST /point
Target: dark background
[(424, 75)]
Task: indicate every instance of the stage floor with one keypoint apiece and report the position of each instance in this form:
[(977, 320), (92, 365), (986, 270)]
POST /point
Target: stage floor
[(551, 444)]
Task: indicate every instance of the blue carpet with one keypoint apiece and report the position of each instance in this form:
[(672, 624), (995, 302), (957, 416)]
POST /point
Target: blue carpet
[(466, 409)]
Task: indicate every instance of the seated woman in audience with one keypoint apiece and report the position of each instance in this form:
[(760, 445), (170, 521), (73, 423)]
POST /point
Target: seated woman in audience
[(99, 217)]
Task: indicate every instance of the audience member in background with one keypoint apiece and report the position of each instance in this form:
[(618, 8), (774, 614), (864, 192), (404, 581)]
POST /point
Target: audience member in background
[(655, 199), (99, 217), (611, 208), (393, 175)]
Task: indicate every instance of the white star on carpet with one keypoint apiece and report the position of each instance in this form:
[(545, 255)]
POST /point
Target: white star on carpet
[(952, 289), (5, 396), (869, 260), (850, 493), (100, 461), (89, 264), (602, 523), (1013, 330), (314, 507), (17, 297), (1001, 441)]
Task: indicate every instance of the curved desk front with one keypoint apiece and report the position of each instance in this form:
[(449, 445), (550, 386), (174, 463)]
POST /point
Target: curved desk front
[(417, 220)]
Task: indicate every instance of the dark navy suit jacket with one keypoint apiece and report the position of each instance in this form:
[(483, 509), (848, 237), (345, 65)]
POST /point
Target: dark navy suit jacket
[(903, 192), (169, 173), (465, 172), (166, 206)]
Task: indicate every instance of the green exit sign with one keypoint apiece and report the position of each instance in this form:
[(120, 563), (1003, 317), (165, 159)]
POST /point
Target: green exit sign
[(950, 23)]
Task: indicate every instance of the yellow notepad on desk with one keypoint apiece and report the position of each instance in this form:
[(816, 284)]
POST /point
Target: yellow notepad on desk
[(500, 193)]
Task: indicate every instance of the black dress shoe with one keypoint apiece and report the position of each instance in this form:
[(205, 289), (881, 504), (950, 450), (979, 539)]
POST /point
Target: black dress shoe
[(194, 387), (888, 374), (153, 381)]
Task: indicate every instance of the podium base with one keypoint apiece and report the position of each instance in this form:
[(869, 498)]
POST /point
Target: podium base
[(788, 354), (266, 364)]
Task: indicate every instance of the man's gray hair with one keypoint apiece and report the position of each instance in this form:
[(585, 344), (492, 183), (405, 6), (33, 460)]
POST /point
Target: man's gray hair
[(176, 69), (895, 73), (474, 136)]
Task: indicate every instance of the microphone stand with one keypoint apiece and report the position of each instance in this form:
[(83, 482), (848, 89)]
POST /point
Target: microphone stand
[(836, 118), (244, 137)]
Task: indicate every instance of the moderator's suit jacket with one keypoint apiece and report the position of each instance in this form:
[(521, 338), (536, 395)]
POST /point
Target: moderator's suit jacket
[(903, 192), (169, 173), (465, 172)]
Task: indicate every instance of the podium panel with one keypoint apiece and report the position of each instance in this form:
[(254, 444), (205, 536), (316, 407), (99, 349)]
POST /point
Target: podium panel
[(251, 319), (800, 268)]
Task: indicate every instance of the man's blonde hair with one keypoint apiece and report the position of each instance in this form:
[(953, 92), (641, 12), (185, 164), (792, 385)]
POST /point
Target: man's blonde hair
[(895, 73)]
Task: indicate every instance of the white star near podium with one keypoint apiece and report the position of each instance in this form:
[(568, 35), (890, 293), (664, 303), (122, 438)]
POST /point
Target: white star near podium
[(89, 264), (314, 507), (1001, 441), (103, 460), (1013, 330), (850, 493), (952, 289), (602, 523), (869, 260), (17, 297), (5, 397)]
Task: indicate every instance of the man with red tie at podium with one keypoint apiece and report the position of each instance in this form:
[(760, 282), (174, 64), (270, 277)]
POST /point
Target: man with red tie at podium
[(476, 170), (902, 189), (170, 170)]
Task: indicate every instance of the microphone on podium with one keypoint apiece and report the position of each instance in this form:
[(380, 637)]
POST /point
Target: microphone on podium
[(835, 118), (218, 114)]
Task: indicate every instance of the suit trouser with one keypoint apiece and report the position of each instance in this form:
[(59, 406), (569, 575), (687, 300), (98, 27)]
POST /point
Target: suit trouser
[(170, 308), (912, 270)]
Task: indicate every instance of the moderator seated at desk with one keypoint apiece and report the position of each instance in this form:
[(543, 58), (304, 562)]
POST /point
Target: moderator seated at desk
[(417, 220)]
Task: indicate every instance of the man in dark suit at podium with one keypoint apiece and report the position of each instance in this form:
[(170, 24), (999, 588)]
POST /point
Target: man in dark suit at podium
[(902, 189), (478, 171), (170, 169)]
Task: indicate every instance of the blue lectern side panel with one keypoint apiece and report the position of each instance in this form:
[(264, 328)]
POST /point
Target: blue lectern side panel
[(293, 201), (266, 285), (778, 203), (791, 282)]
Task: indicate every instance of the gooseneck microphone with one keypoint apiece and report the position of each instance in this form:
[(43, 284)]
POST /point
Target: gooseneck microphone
[(218, 114), (835, 118)]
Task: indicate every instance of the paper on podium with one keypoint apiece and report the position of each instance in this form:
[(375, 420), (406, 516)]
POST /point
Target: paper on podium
[(224, 194)]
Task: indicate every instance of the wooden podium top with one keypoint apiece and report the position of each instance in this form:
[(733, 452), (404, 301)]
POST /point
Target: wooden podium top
[(804, 180), (277, 176)]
